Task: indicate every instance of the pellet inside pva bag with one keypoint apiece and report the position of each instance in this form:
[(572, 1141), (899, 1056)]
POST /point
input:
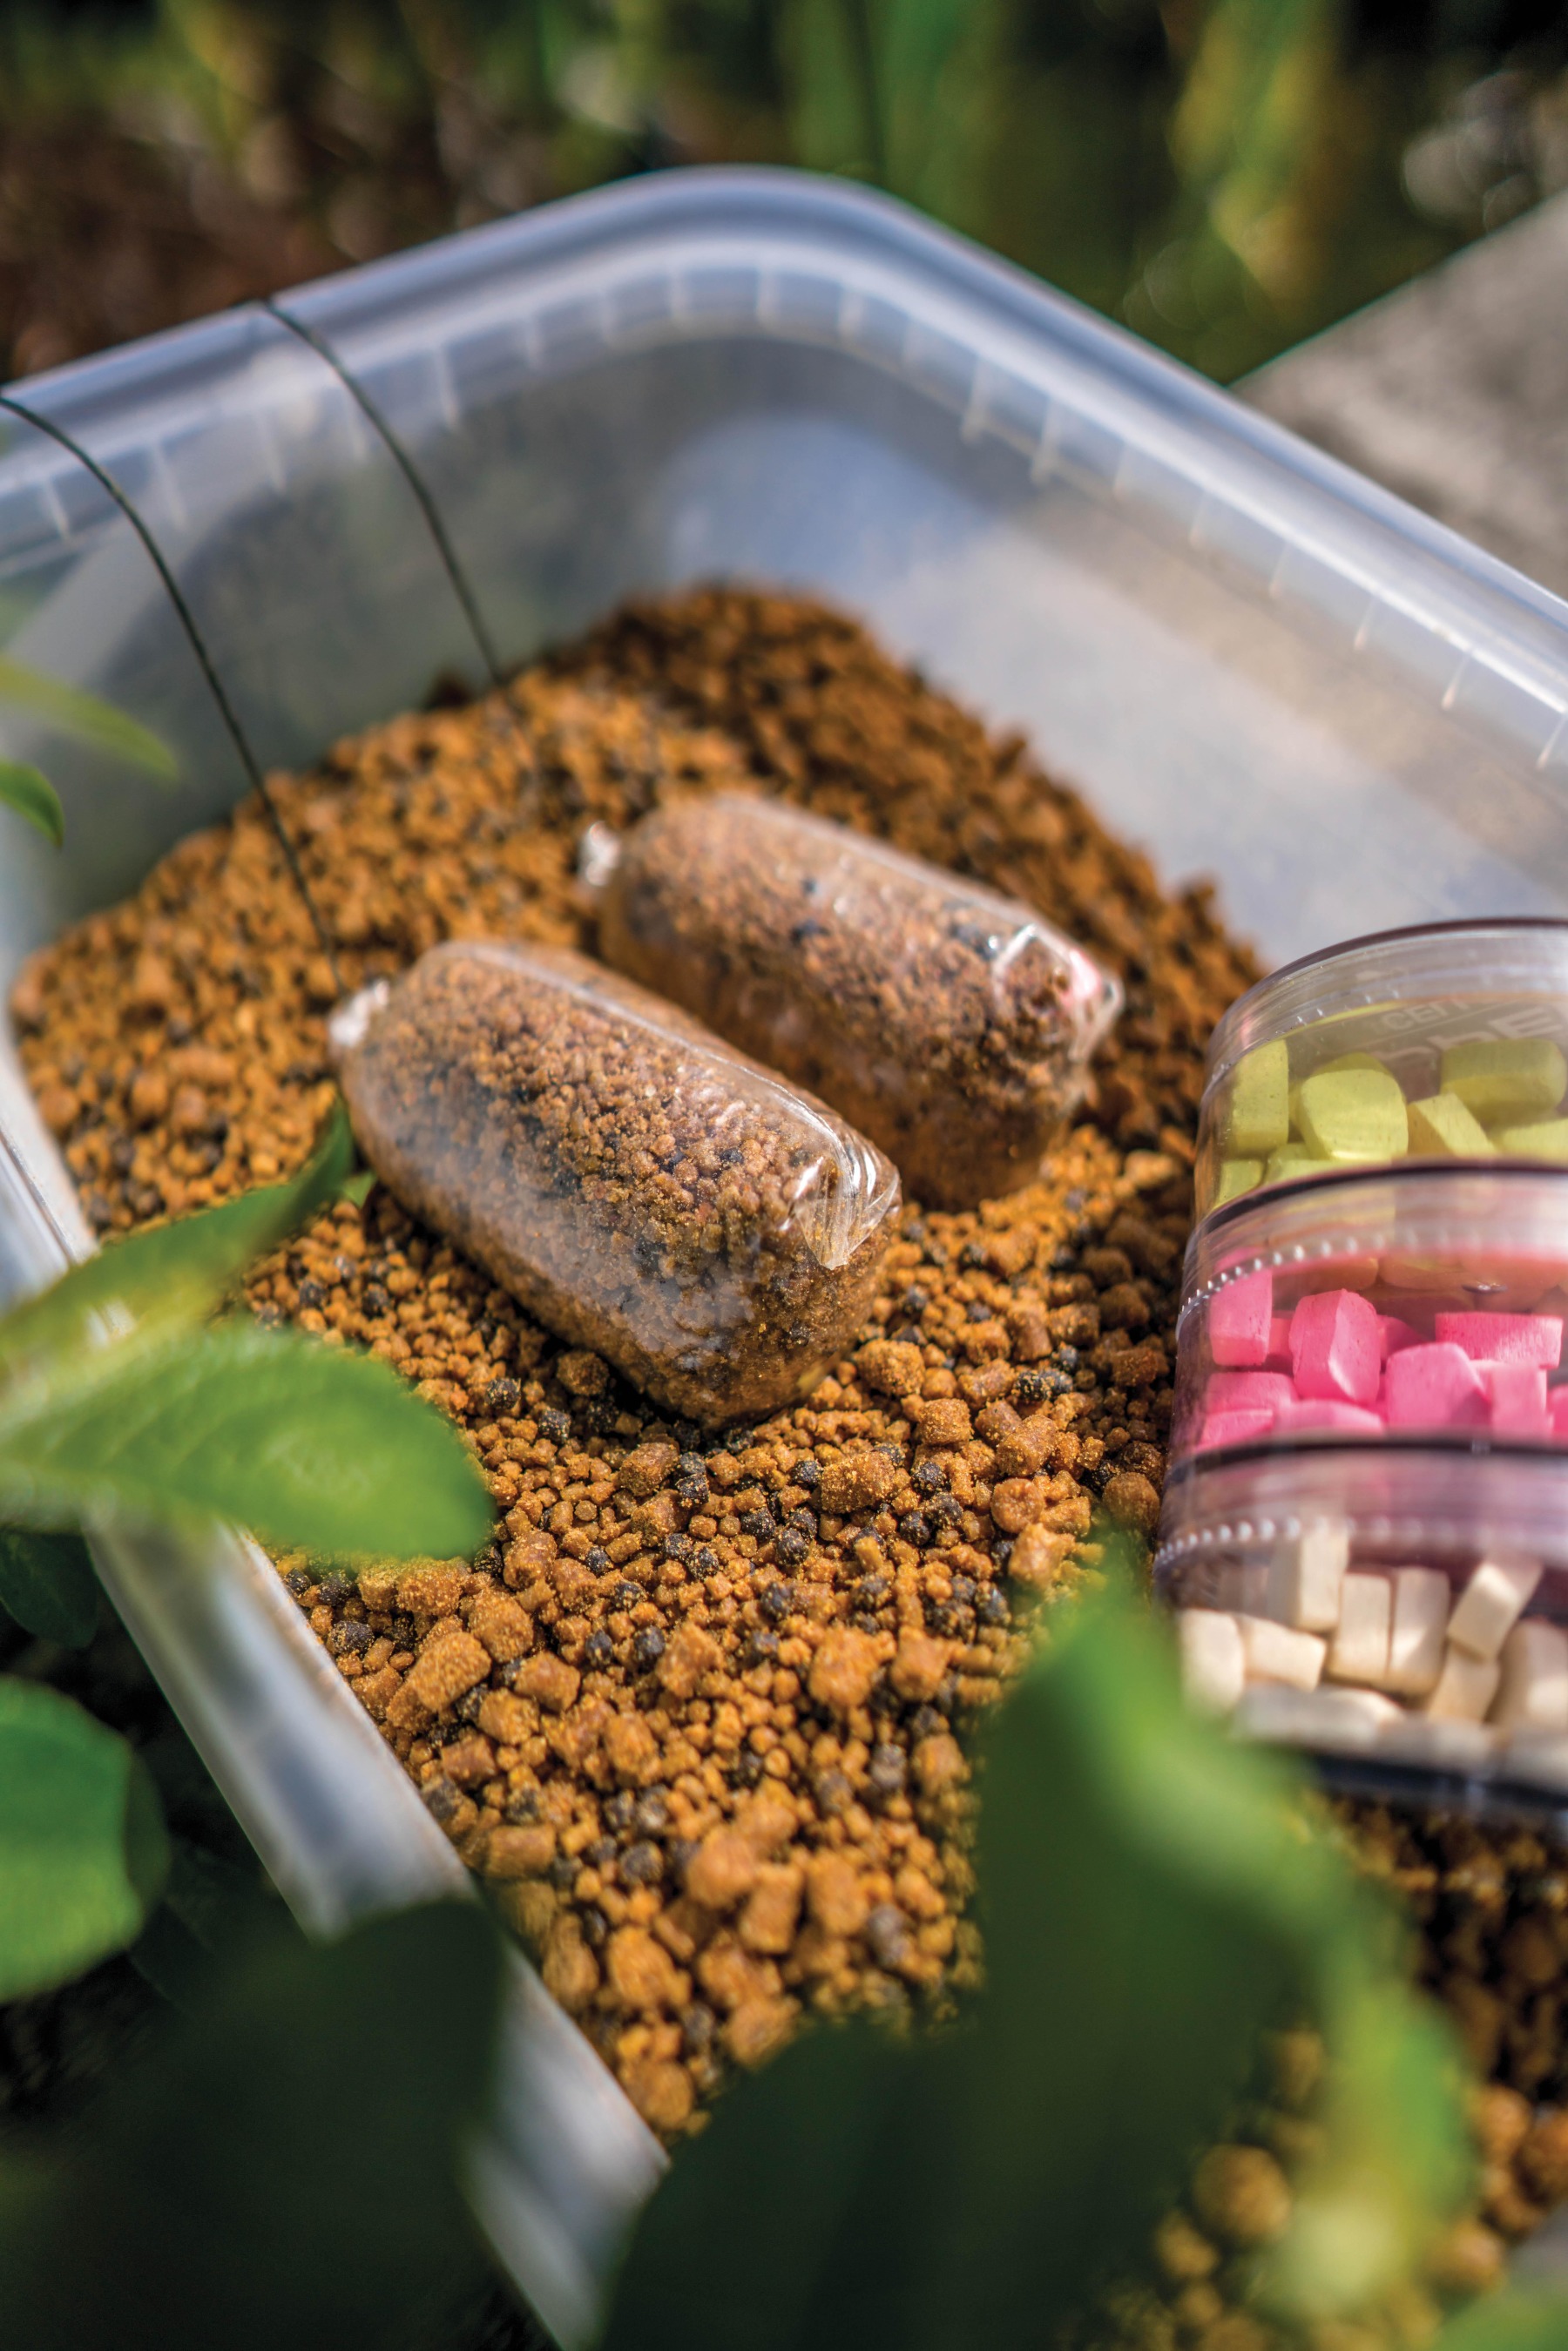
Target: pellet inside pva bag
[(951, 1025)]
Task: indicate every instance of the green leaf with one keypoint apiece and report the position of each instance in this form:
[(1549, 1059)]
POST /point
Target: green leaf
[(1170, 1892), (312, 1447), (268, 2173), (47, 1584), (1153, 1900), (1395, 2157), (988, 2181), (29, 791), (1525, 2319), (358, 1186), (1145, 1903), (210, 1909), (176, 1272), (83, 1851), (76, 712), (788, 2166)]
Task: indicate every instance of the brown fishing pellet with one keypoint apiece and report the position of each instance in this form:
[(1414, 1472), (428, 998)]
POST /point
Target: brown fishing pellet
[(643, 1190), (951, 1025)]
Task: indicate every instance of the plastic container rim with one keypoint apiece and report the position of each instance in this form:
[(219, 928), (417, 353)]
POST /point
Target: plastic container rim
[(813, 199), (1314, 1444), (1221, 1223), (1381, 1490), (1224, 1049)]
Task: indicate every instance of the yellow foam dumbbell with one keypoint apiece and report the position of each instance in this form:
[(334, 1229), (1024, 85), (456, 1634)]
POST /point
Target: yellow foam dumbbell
[(1545, 1138), (1506, 1079), (1355, 1117), (1254, 1117), (1234, 1177), (1444, 1126), (1293, 1159)]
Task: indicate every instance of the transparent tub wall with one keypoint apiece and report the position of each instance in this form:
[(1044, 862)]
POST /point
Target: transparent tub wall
[(278, 509), (1253, 662), (335, 1820), (811, 389)]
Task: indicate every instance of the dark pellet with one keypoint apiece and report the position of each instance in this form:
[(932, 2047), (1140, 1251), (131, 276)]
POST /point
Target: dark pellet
[(647, 1649), (641, 1865), (888, 1932), (651, 1814)]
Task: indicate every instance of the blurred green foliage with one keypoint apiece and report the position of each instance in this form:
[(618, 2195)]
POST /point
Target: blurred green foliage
[(1224, 175), (1155, 1899), (258, 2172)]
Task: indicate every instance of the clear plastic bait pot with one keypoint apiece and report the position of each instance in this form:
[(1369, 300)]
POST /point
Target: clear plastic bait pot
[(1447, 1043), (1374, 1309), (1403, 1611)]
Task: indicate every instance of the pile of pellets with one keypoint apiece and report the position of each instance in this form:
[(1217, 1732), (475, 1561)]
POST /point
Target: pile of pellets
[(701, 1713)]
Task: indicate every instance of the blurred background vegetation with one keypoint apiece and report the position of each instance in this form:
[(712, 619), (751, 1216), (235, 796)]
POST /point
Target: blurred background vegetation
[(1226, 176)]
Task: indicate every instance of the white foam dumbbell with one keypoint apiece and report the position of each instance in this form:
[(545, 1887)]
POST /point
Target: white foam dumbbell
[(1492, 1602), (1213, 1665), (1421, 1596), (1465, 1688), (1360, 1651), (1278, 1652), (1306, 1577), (1533, 1692)]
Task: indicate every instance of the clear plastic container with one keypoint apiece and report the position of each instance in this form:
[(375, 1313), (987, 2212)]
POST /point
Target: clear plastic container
[(643, 1190), (950, 1024), (1440, 1043), (1361, 1309), (1254, 662), (1402, 1612)]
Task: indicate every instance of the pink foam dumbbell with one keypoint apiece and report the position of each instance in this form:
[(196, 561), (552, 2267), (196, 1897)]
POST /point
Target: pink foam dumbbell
[(1278, 1358), (1506, 1337), (1334, 1349), (1247, 1391), (1516, 1393), (1434, 1386), (1234, 1428), (1239, 1319), (1394, 1335), (1557, 1408), (1327, 1412)]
